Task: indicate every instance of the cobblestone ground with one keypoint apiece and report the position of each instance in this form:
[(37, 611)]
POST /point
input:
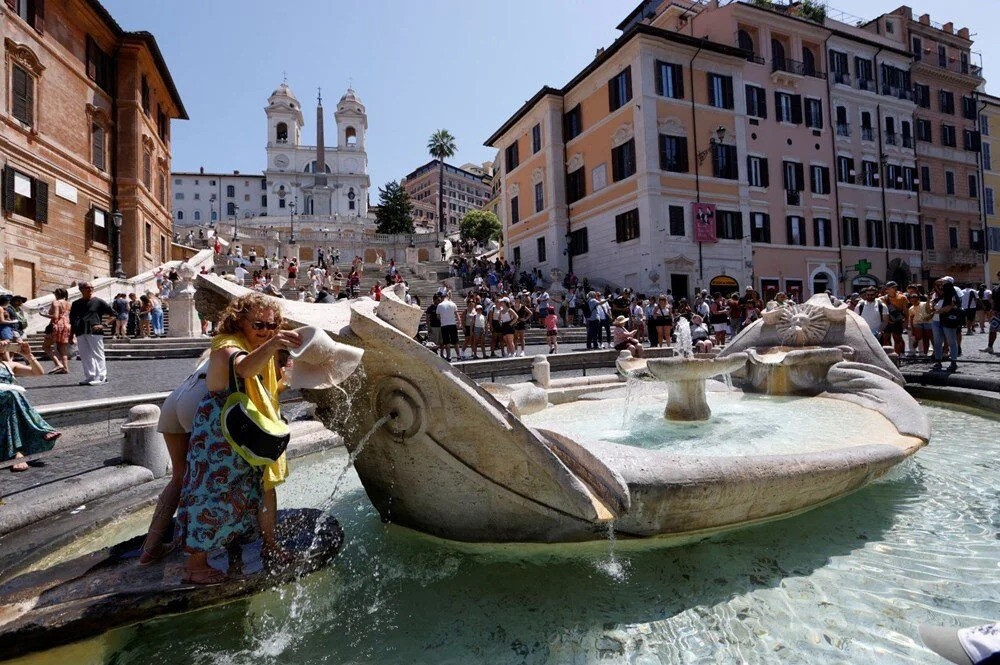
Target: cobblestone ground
[(125, 377)]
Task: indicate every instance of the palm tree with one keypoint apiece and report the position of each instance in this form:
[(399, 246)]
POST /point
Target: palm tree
[(441, 145)]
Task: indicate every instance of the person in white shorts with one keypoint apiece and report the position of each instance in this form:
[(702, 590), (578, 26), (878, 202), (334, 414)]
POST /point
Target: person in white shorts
[(175, 424)]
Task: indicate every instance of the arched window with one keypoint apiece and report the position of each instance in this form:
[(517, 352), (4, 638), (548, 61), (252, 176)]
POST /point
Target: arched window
[(311, 167), (180, 215), (350, 199), (215, 215), (230, 208), (351, 135), (745, 40), (197, 215), (281, 133), (230, 191), (777, 53), (808, 62)]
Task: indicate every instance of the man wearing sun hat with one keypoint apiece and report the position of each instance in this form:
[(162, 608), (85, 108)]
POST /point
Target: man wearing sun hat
[(979, 645)]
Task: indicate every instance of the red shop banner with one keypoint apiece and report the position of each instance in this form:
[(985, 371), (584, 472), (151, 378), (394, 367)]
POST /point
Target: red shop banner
[(704, 222)]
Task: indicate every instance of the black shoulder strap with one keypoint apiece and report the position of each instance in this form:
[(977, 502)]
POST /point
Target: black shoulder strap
[(234, 381)]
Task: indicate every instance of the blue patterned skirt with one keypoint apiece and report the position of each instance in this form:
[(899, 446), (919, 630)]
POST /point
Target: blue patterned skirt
[(222, 492)]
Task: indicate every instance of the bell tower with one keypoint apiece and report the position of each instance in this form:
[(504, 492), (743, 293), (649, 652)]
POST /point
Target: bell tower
[(284, 118), (352, 122)]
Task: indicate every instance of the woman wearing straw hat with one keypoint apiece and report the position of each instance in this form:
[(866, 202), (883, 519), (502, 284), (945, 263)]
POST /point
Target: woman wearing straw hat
[(624, 338)]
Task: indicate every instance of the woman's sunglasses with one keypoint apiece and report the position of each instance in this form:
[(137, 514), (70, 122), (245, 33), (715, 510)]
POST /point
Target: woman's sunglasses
[(261, 325)]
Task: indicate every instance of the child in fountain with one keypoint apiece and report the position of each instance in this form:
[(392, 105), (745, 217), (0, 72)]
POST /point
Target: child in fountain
[(624, 338)]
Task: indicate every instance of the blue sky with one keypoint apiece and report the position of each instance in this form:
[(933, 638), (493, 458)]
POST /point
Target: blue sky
[(226, 56)]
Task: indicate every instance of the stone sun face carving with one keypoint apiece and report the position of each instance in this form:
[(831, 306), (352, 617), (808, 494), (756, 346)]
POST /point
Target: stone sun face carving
[(802, 325)]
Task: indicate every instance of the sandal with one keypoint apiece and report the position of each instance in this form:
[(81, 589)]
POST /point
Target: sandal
[(151, 555), (205, 576)]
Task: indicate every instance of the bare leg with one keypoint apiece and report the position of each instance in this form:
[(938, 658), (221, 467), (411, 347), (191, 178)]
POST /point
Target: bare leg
[(267, 518), (153, 547), (197, 570)]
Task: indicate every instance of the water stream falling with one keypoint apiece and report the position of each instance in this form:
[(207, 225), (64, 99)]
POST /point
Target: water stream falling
[(682, 345), (328, 503), (727, 379), (300, 598), (612, 566)]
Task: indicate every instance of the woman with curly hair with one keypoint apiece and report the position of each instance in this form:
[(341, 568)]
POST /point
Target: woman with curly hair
[(224, 501)]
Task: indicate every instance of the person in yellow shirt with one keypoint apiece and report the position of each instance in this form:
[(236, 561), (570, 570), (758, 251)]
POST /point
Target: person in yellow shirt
[(224, 500)]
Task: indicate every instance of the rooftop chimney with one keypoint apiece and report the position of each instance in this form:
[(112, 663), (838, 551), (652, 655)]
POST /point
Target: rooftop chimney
[(925, 19), (963, 33), (948, 27), (201, 170), (600, 51)]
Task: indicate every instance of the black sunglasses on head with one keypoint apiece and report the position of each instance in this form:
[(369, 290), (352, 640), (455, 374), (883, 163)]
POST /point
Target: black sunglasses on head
[(261, 325)]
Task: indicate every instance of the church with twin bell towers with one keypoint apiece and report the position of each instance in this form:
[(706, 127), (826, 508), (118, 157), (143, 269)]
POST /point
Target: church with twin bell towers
[(326, 181)]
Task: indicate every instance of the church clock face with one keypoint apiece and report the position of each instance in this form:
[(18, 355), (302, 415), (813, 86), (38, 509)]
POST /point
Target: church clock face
[(281, 161)]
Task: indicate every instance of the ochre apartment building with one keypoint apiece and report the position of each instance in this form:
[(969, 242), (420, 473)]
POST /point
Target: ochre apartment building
[(989, 122), (85, 131), (600, 177), (945, 83), (828, 180)]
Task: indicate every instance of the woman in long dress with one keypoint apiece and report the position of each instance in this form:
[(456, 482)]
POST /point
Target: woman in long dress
[(22, 430), (225, 501)]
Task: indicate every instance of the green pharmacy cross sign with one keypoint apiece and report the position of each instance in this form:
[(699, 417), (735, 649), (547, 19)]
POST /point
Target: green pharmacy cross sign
[(862, 266)]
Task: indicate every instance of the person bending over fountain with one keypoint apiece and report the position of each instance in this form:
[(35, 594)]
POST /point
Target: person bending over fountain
[(224, 500)]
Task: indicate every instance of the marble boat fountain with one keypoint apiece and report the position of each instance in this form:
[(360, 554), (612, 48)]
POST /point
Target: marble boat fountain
[(451, 460)]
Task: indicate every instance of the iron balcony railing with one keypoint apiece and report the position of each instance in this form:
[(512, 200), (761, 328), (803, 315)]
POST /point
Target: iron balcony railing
[(867, 133), (796, 67), (842, 77), (907, 141), (890, 138), (866, 84), (843, 129)]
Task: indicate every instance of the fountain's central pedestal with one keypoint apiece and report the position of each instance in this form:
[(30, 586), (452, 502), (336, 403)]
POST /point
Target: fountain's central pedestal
[(685, 379)]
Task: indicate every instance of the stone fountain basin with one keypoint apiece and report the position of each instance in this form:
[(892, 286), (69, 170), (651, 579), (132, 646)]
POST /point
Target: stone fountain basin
[(679, 368), (686, 497), (796, 355)]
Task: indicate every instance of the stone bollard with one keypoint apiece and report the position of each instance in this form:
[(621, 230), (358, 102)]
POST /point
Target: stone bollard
[(540, 371), (142, 445)]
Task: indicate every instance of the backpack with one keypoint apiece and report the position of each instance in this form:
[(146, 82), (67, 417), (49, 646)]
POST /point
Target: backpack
[(881, 311), (586, 307)]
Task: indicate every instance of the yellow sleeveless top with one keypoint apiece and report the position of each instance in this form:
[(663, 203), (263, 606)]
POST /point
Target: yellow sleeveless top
[(275, 473)]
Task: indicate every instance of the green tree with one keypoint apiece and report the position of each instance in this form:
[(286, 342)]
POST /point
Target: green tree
[(395, 213), (441, 145), (481, 226)]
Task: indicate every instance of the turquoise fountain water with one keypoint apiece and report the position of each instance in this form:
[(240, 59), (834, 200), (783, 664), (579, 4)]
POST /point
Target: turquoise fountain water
[(848, 582)]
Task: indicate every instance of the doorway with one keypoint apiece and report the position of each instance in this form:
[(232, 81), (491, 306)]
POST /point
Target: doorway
[(678, 286), (22, 279), (769, 288), (793, 289)]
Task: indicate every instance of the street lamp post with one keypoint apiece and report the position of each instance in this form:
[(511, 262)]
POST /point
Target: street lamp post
[(236, 220), (116, 218), (291, 208)]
